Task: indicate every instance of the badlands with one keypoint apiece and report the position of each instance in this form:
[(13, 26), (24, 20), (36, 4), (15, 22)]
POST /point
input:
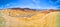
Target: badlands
[(25, 17)]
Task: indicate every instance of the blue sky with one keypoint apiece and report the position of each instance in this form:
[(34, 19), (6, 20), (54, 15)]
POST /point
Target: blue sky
[(34, 4)]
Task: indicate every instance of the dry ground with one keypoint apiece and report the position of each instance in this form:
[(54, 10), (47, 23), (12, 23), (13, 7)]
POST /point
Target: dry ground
[(19, 18)]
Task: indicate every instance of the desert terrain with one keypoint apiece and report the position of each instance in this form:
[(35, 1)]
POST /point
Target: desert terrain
[(24, 17)]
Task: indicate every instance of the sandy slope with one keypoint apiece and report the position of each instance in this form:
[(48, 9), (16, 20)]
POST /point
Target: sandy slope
[(37, 19)]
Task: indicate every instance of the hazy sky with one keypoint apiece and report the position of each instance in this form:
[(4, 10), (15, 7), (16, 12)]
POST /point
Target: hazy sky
[(35, 4)]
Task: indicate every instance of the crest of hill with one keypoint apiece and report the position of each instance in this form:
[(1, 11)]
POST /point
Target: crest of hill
[(23, 9), (28, 9), (33, 10)]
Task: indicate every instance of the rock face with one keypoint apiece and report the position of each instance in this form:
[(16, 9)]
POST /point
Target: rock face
[(17, 17)]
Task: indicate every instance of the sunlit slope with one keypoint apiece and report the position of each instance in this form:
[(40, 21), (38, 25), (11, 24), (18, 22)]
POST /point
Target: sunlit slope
[(33, 19), (58, 20), (51, 19)]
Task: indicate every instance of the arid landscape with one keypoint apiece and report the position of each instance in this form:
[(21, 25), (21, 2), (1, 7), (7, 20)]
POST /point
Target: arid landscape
[(25, 17)]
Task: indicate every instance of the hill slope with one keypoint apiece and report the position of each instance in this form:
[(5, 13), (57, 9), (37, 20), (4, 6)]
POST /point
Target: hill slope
[(27, 18)]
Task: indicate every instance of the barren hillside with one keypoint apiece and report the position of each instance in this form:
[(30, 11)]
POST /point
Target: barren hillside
[(24, 17)]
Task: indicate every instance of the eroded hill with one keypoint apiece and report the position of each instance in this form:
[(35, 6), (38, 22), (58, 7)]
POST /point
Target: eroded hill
[(16, 17)]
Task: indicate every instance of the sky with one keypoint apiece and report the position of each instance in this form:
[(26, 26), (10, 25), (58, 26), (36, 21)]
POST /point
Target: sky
[(33, 4)]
